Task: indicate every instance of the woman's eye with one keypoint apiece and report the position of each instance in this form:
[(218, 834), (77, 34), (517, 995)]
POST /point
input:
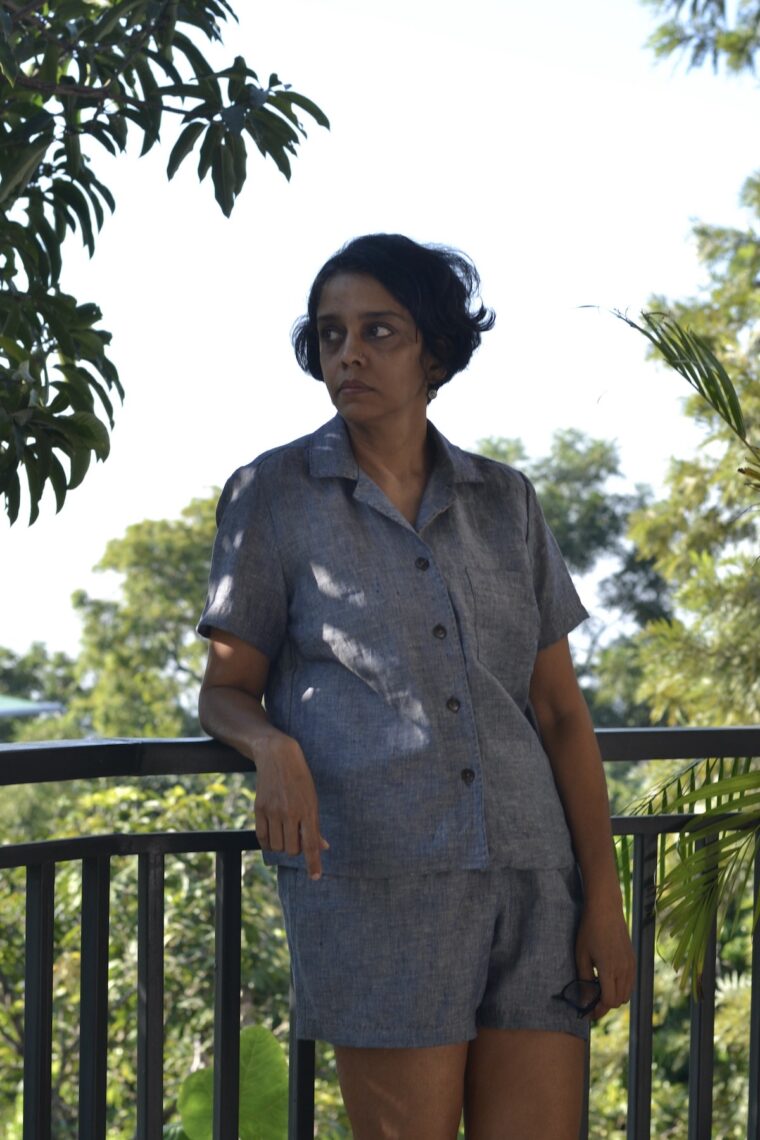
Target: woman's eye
[(379, 332), (328, 335)]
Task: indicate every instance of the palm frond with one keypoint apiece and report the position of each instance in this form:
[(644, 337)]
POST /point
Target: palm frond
[(692, 357), (705, 869)]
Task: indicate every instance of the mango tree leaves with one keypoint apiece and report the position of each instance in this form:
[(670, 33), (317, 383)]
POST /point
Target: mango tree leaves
[(72, 75)]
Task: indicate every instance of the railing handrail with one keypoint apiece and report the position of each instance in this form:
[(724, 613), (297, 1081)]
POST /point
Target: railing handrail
[(61, 760)]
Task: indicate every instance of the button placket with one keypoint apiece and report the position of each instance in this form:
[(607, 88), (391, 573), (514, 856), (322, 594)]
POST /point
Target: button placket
[(440, 631)]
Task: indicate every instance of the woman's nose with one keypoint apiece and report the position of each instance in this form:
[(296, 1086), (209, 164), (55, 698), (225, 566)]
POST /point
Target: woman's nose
[(352, 349)]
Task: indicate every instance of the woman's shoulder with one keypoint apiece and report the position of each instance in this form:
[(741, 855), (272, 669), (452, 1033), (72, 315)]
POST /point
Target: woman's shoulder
[(289, 459)]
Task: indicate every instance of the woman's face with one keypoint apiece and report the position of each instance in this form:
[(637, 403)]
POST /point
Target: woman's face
[(371, 352)]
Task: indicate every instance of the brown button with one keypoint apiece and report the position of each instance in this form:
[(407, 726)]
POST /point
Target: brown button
[(422, 564), (453, 704), (467, 775), (439, 631)]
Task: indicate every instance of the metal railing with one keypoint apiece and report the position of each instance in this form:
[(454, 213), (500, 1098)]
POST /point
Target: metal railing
[(64, 761)]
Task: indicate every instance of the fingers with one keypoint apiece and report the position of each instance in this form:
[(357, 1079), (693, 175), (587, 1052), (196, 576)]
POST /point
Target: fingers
[(311, 843), (293, 837)]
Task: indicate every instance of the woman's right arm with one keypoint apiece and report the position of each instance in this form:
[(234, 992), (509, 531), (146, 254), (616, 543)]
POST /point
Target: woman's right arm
[(230, 709)]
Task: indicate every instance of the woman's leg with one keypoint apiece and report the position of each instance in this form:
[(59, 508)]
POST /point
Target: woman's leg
[(524, 1084), (403, 1094)]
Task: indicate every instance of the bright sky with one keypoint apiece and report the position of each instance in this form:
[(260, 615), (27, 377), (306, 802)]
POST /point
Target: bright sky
[(541, 138)]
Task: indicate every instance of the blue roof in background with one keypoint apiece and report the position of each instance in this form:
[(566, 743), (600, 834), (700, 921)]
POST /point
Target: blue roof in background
[(18, 706)]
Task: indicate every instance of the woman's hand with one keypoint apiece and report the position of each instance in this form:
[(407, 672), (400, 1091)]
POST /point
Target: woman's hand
[(286, 809), (287, 816), (602, 944), (603, 947)]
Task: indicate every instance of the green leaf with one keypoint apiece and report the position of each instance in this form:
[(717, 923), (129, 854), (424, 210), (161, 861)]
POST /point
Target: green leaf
[(311, 108), (263, 1086), (183, 146), (237, 147), (58, 481), (84, 428), (117, 126), (36, 485), (263, 1091), (223, 177), (11, 488), (107, 23), (9, 66), (101, 133), (202, 68), (17, 174), (14, 351), (80, 463), (73, 197), (196, 1104), (213, 139)]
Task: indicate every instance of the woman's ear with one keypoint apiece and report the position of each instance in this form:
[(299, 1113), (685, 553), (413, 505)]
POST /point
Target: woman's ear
[(435, 373)]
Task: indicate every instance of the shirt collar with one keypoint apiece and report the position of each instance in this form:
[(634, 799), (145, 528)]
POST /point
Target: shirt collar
[(331, 456)]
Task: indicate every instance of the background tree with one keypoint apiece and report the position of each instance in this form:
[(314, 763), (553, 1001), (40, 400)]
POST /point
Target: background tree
[(36, 675), (141, 663), (702, 667), (706, 32), (76, 76), (590, 521)]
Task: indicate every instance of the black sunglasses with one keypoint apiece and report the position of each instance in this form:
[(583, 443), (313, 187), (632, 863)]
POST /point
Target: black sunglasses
[(583, 994)]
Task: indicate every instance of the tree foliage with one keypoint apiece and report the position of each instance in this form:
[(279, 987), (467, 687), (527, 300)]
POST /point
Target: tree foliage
[(590, 521), (706, 31), (701, 667), (110, 807), (141, 663), (77, 76)]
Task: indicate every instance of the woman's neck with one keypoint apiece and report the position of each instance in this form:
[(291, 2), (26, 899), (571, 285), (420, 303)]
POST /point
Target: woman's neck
[(398, 462), (398, 452)]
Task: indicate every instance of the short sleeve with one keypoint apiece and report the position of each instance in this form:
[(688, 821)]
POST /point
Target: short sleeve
[(247, 594), (560, 608)]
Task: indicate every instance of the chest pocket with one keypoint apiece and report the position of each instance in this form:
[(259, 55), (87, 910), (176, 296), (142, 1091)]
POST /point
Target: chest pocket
[(506, 624)]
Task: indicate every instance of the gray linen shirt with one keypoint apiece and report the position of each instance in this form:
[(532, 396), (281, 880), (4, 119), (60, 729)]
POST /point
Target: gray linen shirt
[(401, 655)]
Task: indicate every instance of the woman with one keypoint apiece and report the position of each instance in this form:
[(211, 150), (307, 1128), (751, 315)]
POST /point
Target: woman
[(428, 781)]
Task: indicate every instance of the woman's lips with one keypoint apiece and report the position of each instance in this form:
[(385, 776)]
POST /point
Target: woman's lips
[(353, 386)]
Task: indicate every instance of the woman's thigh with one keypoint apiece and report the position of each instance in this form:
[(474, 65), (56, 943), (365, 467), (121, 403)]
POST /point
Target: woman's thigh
[(403, 1094), (522, 1084)]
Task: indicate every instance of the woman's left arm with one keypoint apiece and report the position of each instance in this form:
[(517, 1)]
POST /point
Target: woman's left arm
[(602, 945)]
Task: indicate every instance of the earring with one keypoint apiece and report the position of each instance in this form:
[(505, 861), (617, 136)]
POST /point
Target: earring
[(431, 393)]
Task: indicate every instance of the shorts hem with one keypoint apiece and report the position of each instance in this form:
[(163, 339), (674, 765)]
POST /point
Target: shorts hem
[(579, 1027), (398, 1038)]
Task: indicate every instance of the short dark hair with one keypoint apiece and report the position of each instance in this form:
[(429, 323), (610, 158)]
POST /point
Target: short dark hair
[(439, 286)]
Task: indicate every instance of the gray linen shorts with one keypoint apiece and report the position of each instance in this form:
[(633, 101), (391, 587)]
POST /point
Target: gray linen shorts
[(409, 962)]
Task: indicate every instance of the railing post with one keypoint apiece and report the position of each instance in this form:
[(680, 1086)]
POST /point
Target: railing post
[(38, 1001), (227, 997), (753, 1119), (93, 1039), (301, 1066), (701, 1053), (642, 998), (150, 996)]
